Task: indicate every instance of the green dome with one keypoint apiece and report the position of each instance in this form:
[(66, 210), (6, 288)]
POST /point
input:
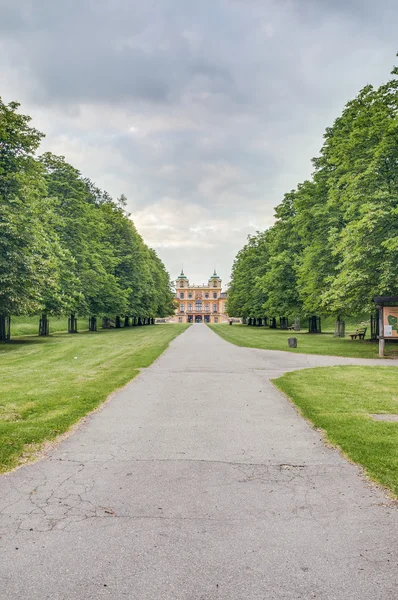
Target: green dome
[(215, 276), (182, 276)]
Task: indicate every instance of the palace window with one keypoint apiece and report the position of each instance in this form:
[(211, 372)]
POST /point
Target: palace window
[(206, 307), (180, 319), (189, 307), (215, 295), (206, 294), (215, 319), (182, 295), (215, 284), (181, 284), (181, 308), (189, 294), (214, 307), (198, 305)]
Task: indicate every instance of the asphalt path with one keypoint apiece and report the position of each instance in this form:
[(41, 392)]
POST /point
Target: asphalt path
[(198, 481)]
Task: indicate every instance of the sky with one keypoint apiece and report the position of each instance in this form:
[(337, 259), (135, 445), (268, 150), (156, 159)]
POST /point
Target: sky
[(202, 113)]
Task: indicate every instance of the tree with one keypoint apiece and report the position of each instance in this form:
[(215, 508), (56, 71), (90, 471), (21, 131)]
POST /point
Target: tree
[(245, 297), (26, 253), (279, 283)]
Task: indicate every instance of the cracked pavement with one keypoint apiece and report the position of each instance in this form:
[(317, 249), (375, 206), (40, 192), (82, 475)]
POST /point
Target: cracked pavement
[(198, 481)]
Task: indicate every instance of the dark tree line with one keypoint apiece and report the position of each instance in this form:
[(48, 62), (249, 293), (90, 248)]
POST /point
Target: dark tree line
[(66, 247), (334, 243)]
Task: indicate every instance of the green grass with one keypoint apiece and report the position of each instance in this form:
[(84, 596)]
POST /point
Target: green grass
[(339, 401), (30, 325), (320, 343), (48, 384)]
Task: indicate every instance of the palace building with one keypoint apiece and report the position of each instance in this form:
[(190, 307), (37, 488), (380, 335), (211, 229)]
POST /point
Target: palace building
[(200, 303)]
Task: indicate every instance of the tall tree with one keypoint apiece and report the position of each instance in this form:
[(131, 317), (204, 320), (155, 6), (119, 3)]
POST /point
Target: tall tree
[(26, 253)]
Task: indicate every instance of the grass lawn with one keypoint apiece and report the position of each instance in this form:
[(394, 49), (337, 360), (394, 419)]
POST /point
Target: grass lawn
[(30, 325), (48, 384), (339, 400), (320, 343)]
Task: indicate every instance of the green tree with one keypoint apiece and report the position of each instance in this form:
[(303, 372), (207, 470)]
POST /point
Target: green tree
[(279, 283), (27, 255), (246, 297)]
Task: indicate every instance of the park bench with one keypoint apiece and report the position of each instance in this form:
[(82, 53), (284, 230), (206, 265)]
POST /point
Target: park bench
[(360, 334)]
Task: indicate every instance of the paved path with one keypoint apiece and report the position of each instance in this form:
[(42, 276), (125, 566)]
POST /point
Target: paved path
[(198, 481)]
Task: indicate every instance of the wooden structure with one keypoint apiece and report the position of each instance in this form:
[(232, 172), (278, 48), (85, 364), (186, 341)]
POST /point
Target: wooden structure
[(359, 333), (387, 307)]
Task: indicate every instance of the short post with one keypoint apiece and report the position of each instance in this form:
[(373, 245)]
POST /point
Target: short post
[(381, 331), (292, 342)]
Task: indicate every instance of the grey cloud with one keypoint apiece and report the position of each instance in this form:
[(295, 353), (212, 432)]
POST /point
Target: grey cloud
[(210, 110)]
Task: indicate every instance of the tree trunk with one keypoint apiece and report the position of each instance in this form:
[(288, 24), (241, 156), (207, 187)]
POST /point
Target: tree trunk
[(5, 324), (72, 324), (127, 321), (44, 325), (117, 322), (92, 324)]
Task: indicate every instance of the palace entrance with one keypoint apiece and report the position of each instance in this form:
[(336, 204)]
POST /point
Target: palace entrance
[(207, 318), (198, 319)]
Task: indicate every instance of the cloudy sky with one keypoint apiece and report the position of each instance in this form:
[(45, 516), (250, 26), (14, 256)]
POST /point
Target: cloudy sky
[(202, 112)]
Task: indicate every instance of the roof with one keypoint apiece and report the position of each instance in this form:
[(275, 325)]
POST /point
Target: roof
[(223, 295), (182, 276), (215, 276), (385, 300)]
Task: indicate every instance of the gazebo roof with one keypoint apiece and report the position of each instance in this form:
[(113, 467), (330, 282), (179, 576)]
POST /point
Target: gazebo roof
[(386, 300)]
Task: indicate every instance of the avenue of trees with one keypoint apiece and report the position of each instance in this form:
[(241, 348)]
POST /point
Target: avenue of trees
[(334, 243), (66, 247)]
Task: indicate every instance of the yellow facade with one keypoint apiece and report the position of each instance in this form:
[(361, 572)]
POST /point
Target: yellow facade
[(200, 303)]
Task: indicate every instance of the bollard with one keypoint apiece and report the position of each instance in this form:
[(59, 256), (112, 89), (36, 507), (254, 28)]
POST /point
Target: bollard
[(292, 342)]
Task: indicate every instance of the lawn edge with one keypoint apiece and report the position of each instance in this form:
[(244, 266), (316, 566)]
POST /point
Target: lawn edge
[(44, 448), (369, 479), (297, 350)]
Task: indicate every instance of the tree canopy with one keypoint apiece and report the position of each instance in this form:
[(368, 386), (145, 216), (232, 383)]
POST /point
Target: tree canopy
[(66, 245), (334, 244)]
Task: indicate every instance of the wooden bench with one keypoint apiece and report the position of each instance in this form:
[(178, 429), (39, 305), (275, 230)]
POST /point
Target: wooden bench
[(360, 334)]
